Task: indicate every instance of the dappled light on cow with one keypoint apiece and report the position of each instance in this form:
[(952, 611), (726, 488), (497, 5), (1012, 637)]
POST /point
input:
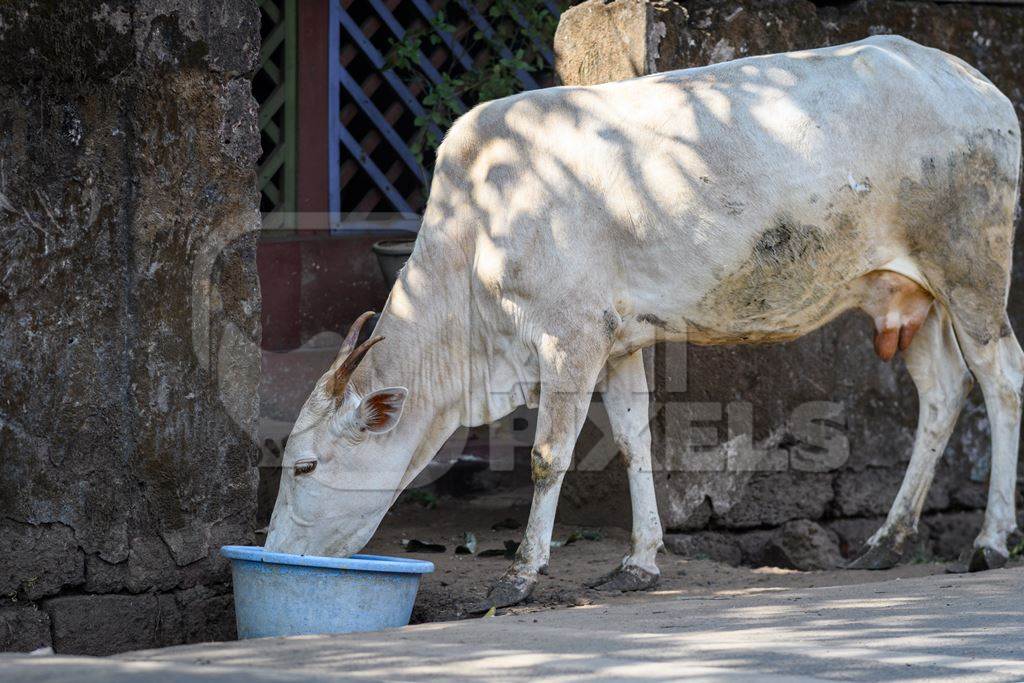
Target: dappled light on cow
[(745, 202)]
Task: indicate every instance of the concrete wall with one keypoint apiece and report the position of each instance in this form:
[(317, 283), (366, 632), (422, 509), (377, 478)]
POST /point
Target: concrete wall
[(129, 318), (732, 393)]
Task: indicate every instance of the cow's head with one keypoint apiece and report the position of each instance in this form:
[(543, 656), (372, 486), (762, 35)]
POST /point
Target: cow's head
[(338, 475)]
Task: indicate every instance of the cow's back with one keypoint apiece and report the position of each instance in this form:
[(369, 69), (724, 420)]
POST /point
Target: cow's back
[(737, 197)]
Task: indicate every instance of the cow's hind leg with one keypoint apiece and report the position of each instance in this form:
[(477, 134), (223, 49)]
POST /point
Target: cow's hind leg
[(569, 368), (961, 232), (996, 359), (940, 374), (626, 399)]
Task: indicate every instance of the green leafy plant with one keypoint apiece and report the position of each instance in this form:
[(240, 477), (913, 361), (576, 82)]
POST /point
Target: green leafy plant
[(420, 497), (921, 556), (520, 28)]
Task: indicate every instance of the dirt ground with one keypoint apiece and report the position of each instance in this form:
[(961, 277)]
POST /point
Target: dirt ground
[(461, 579)]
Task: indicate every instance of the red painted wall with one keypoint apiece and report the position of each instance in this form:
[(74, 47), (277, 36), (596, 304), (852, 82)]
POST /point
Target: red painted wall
[(312, 107), (313, 281)]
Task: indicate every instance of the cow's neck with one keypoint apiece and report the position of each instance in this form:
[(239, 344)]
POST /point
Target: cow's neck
[(458, 371), (425, 332)]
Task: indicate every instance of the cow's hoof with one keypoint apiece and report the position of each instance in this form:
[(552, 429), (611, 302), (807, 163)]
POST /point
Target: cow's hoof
[(627, 578), (510, 589), (880, 556), (977, 560)]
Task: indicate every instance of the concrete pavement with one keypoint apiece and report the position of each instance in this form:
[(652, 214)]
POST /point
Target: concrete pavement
[(963, 628)]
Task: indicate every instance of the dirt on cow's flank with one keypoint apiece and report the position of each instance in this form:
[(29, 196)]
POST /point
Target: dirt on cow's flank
[(461, 579)]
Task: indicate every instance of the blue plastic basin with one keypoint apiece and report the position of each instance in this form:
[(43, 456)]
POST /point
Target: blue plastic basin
[(277, 594)]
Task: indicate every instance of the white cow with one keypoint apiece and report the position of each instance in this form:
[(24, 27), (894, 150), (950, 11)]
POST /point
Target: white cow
[(749, 201)]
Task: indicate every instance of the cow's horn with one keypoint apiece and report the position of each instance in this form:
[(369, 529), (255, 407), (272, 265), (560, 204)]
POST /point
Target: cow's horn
[(338, 382), (353, 334)]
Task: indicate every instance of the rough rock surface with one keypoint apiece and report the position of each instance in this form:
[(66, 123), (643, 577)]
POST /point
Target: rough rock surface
[(636, 29), (712, 404), (802, 544), (129, 316), (23, 629), (706, 545)]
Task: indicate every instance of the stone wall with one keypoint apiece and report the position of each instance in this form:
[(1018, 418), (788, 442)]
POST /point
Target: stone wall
[(734, 393), (129, 318)]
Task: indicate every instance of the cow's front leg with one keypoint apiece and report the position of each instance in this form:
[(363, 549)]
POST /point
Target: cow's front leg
[(626, 398), (567, 384)]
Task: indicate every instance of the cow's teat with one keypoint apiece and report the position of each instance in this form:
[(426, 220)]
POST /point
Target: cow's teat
[(898, 306)]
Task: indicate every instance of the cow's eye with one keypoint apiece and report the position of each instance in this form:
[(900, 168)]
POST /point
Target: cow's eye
[(303, 467)]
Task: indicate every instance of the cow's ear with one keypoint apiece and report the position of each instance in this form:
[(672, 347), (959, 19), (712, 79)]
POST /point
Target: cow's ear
[(380, 411)]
